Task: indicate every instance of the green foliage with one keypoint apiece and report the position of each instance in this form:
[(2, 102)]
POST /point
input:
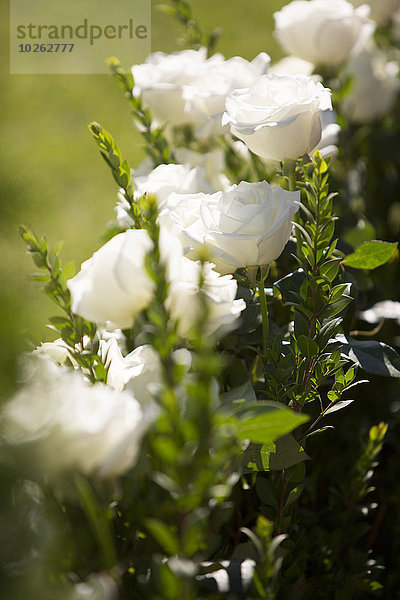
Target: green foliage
[(370, 255), (192, 36), (157, 146), (223, 474), (78, 334), (120, 168)]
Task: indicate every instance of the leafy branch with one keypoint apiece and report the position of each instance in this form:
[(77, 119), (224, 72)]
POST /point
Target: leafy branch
[(120, 169), (157, 145), (77, 333), (193, 36)]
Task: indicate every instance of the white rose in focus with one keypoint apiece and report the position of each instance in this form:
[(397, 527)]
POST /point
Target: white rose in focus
[(381, 10), (278, 117), (113, 284), (160, 81), (374, 86), (206, 95), (247, 225), (323, 31), (70, 425)]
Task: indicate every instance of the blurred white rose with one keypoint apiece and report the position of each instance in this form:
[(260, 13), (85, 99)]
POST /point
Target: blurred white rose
[(71, 425), (98, 586), (213, 163), (381, 10), (162, 181), (57, 351), (323, 31), (247, 225), (278, 117), (137, 372), (160, 81), (188, 88), (113, 284), (216, 78), (330, 134), (292, 65), (374, 86), (218, 291)]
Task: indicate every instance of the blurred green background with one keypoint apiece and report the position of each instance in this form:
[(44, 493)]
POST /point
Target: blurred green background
[(52, 177)]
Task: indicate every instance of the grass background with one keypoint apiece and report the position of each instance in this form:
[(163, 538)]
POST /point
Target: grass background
[(52, 177)]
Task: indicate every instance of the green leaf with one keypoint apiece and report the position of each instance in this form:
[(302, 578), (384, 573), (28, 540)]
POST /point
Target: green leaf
[(164, 536), (290, 283), (338, 406), (370, 255), (282, 454), (294, 494), (262, 422), (330, 269), (242, 392), (307, 346), (364, 231), (374, 357)]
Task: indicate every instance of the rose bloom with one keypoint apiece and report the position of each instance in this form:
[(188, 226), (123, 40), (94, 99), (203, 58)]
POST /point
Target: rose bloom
[(219, 293), (188, 88), (381, 10), (160, 81), (278, 117), (212, 162), (374, 87), (183, 301), (68, 424), (139, 372), (113, 284), (323, 31), (245, 226), (205, 96), (162, 181), (136, 372), (292, 65)]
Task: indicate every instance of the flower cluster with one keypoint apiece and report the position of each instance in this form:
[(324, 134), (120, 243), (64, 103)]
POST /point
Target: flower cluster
[(215, 320)]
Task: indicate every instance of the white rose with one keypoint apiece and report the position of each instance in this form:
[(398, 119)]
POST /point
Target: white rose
[(323, 31), (69, 424), (381, 10), (183, 299), (57, 351), (374, 86), (330, 134), (213, 163), (160, 81), (206, 95), (98, 586), (137, 372), (113, 284), (162, 181), (219, 292), (247, 225), (292, 65), (278, 117)]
